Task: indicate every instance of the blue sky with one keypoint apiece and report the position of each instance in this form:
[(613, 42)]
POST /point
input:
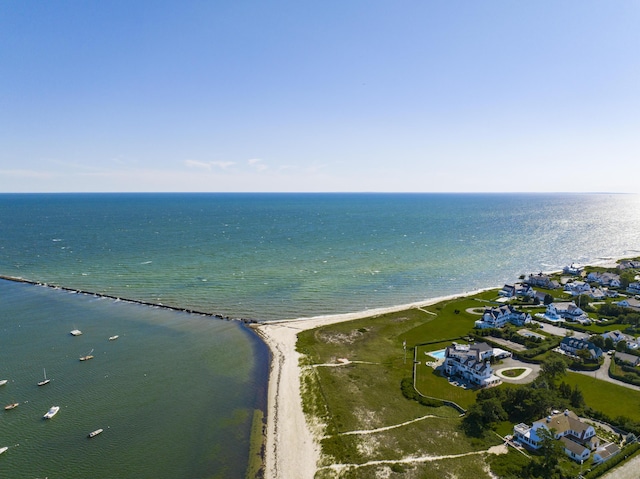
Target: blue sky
[(332, 95)]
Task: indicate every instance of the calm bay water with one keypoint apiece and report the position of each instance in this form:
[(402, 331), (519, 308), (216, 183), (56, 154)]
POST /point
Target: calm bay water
[(187, 384), (175, 393)]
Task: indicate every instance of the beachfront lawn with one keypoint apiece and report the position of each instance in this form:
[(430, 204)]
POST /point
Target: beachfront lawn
[(364, 395)]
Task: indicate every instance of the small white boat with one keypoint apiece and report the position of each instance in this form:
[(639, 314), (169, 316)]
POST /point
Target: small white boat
[(113, 338), (13, 405), (3, 382), (51, 412), (45, 380), (75, 332), (3, 449), (95, 433)]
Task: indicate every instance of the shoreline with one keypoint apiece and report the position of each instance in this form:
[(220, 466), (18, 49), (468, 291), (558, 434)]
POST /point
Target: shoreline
[(291, 444)]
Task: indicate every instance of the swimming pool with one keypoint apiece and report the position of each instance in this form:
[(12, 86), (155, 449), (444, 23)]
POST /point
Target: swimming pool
[(437, 354)]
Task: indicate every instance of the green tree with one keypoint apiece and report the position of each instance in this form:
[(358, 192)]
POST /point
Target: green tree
[(548, 299), (551, 449), (553, 367), (609, 344), (576, 399), (492, 411), (598, 340), (473, 421), (626, 277), (621, 346)]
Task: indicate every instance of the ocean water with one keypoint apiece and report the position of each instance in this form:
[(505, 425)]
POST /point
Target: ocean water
[(188, 383), (261, 256)]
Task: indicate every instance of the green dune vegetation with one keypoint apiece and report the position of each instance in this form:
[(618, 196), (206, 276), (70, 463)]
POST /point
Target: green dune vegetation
[(385, 411)]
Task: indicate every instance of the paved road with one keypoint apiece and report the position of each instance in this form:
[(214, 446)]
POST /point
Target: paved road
[(603, 374)]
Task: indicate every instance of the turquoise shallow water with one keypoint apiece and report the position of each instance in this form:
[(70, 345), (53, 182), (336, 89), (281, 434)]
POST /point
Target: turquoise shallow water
[(176, 391)]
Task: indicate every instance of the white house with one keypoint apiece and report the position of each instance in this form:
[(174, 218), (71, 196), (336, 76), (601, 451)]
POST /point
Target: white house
[(625, 264), (568, 311), (630, 303), (524, 290), (507, 291), (575, 450), (573, 269), (498, 317), (571, 346), (576, 435), (617, 336), (542, 280), (576, 288), (630, 359), (634, 288), (604, 279), (471, 363), (517, 289), (605, 453)]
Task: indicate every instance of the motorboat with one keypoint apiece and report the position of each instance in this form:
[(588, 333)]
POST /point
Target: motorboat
[(3, 449), (13, 405), (75, 332), (51, 412), (113, 338), (3, 382), (94, 433), (45, 380), (88, 356)]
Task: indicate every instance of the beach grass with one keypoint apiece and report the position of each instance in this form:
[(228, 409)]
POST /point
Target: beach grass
[(366, 416)]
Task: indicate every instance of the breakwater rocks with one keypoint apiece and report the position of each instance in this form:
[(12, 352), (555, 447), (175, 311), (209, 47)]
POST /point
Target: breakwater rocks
[(127, 300)]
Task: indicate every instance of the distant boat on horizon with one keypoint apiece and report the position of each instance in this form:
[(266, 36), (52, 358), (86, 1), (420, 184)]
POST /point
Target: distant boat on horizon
[(45, 380), (53, 410)]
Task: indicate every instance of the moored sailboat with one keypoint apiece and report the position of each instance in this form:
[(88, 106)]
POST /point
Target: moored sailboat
[(45, 380), (86, 357)]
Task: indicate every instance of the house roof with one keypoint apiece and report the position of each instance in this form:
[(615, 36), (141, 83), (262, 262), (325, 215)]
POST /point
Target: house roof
[(628, 358), (563, 422), (608, 450), (574, 447)]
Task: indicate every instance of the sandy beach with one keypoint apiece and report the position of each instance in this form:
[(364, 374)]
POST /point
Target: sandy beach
[(292, 445)]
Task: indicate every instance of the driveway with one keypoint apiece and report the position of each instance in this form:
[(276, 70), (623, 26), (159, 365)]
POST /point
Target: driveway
[(560, 331), (510, 363)]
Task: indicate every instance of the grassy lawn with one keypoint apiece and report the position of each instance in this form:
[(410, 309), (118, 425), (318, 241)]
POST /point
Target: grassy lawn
[(609, 398), (364, 411), (367, 396)]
